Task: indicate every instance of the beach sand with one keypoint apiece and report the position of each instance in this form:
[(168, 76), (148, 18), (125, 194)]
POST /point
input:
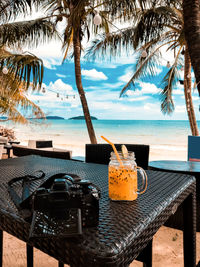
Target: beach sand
[(167, 251)]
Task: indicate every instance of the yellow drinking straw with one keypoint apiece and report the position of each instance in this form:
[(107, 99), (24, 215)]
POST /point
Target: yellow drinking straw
[(114, 148)]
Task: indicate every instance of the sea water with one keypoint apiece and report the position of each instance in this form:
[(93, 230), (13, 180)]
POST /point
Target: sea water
[(167, 138)]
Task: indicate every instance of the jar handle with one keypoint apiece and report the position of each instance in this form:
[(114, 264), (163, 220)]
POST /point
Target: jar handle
[(144, 180)]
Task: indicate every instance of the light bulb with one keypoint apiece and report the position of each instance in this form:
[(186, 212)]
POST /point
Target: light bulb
[(144, 54), (168, 64), (97, 19), (5, 70)]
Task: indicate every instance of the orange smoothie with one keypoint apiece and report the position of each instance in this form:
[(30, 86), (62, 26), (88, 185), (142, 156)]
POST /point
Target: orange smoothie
[(122, 183)]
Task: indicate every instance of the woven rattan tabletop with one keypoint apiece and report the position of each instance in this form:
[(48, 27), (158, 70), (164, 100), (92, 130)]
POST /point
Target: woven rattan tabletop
[(125, 228)]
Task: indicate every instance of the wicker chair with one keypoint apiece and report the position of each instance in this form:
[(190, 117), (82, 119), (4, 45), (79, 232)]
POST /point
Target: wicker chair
[(193, 148), (100, 153)]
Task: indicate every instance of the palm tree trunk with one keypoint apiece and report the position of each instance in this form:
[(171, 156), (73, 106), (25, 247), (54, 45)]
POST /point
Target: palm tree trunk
[(188, 95), (191, 16), (77, 53)]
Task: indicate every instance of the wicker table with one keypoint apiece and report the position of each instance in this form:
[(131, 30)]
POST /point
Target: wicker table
[(125, 228)]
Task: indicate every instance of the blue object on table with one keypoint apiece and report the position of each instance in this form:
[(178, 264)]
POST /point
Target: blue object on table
[(194, 148)]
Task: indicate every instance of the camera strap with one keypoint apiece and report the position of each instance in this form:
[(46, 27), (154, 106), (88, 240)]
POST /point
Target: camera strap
[(26, 181)]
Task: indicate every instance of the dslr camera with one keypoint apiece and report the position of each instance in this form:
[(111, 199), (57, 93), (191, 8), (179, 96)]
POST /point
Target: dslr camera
[(72, 201)]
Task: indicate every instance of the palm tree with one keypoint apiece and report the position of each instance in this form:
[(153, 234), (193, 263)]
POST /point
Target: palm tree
[(18, 70), (191, 14), (78, 16), (155, 27)]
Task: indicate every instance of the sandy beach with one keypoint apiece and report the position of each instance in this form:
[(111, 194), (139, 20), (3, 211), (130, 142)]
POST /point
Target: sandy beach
[(167, 251)]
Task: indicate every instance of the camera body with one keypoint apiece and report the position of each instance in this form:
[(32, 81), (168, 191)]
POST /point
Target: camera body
[(70, 200)]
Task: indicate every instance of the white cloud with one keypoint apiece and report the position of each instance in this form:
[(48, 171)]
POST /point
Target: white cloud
[(127, 76), (133, 92), (59, 86), (142, 98), (51, 63), (154, 108), (149, 88), (112, 85), (61, 75), (94, 75), (180, 108), (178, 92), (195, 98)]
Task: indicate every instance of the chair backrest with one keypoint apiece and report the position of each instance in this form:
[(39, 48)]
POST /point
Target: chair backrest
[(100, 153), (40, 143), (20, 151), (193, 148)]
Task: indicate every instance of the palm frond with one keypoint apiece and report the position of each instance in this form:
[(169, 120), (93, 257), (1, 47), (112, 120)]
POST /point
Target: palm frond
[(12, 101), (67, 44), (110, 44), (30, 33), (150, 24), (170, 79), (167, 104), (146, 66), (24, 67)]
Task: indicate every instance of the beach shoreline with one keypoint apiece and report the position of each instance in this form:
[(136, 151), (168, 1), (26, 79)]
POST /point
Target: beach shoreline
[(167, 139)]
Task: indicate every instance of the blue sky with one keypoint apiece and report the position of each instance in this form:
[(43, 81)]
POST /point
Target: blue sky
[(103, 81)]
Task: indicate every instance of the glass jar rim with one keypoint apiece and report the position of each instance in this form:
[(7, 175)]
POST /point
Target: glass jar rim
[(131, 155)]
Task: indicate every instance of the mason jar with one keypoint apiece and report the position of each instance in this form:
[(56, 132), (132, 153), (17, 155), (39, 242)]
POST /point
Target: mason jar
[(122, 177)]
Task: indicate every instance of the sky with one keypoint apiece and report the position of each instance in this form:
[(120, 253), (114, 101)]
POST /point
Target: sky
[(102, 81)]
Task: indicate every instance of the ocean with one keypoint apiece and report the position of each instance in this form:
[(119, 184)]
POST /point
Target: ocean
[(167, 138)]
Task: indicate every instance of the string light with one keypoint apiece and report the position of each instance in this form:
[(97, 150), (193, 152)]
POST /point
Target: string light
[(5, 70), (168, 64), (97, 19), (58, 94), (188, 76), (144, 54)]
